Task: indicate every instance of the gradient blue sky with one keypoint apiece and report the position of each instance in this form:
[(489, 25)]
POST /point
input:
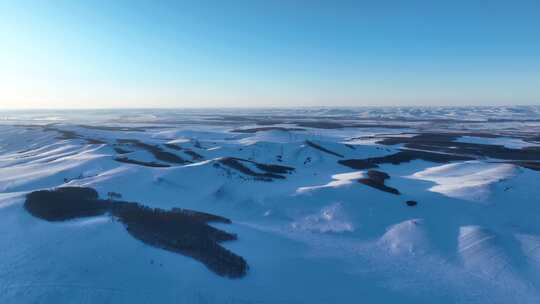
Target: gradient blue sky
[(91, 54)]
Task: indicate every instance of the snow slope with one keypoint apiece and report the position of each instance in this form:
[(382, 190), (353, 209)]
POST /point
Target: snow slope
[(466, 180), (315, 235)]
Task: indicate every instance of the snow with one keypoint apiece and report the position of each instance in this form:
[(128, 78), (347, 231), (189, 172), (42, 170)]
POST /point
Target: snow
[(513, 143), (329, 219), (466, 180), (339, 180), (405, 237), (316, 236)]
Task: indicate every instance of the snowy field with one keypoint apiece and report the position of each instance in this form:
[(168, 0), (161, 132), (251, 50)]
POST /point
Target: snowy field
[(344, 205)]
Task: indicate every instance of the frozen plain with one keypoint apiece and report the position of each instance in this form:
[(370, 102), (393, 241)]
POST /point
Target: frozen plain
[(312, 235)]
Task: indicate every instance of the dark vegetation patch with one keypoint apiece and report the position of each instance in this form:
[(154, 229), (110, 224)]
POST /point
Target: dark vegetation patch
[(420, 138), (442, 148), (532, 148), (174, 147), (533, 139), (115, 129), (406, 156), (320, 124), (197, 144), (185, 232), (358, 164), (323, 149), (269, 173), (322, 121), (399, 138), (237, 118), (25, 150), (529, 165), (114, 195), (445, 143), (194, 155), (478, 134), (65, 204), (64, 134), (411, 203), (157, 151), (379, 126), (93, 141), (68, 134), (178, 230), (339, 125), (376, 180), (255, 130), (140, 162), (378, 176), (277, 169), (119, 150), (269, 122), (403, 156)]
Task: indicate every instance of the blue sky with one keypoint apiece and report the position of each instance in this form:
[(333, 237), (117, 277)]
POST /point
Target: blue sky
[(91, 54)]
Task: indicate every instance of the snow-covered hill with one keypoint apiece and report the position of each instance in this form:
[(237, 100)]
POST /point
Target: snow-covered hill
[(308, 193)]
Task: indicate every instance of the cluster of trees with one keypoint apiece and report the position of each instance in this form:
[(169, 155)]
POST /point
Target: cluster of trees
[(269, 171), (157, 151), (185, 232), (114, 195), (140, 163), (65, 203), (194, 155), (323, 149), (445, 143), (178, 230), (376, 180)]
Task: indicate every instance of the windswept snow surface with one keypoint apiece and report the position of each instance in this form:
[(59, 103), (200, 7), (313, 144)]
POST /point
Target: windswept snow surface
[(466, 180), (338, 180), (310, 232)]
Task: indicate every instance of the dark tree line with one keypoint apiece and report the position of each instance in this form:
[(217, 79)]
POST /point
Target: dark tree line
[(178, 230)]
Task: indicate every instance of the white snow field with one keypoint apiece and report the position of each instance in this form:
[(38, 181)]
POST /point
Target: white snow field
[(314, 234), (466, 180)]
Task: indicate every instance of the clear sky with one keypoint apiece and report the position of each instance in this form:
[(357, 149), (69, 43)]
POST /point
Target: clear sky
[(92, 54)]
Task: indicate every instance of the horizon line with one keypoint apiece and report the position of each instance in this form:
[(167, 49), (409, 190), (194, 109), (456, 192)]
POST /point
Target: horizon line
[(264, 107)]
